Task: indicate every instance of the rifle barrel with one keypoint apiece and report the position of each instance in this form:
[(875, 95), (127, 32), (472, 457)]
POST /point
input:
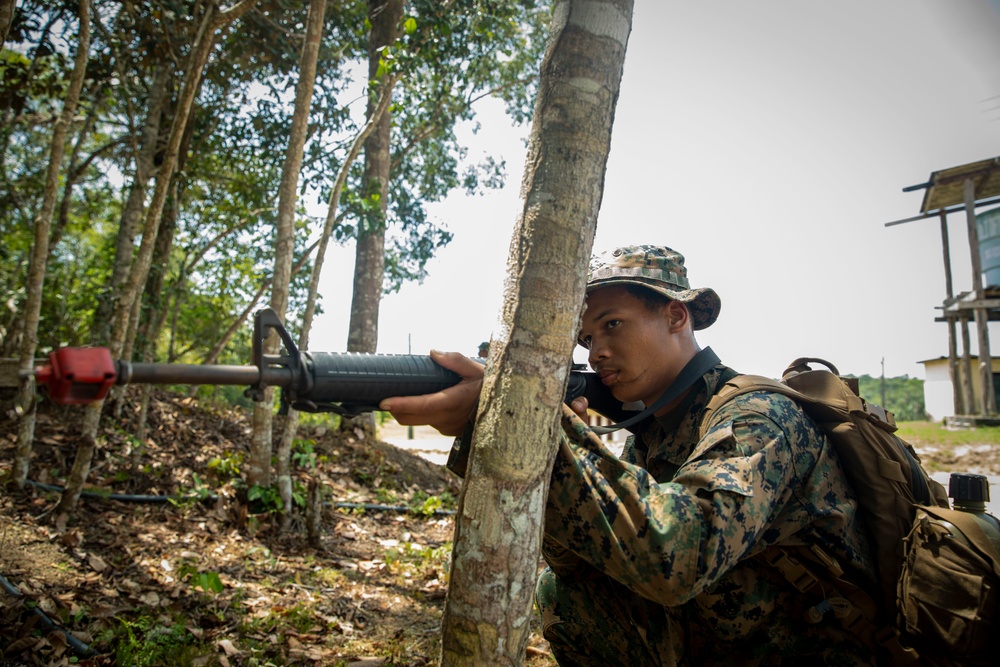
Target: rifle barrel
[(144, 373)]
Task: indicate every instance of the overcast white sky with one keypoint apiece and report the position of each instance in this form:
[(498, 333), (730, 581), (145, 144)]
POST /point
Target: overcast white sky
[(769, 142)]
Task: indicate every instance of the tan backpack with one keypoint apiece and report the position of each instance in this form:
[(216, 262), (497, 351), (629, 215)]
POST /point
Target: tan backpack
[(913, 617)]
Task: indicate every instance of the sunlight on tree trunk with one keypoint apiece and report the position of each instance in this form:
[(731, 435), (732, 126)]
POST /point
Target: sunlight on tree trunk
[(498, 528), (40, 253), (259, 466)]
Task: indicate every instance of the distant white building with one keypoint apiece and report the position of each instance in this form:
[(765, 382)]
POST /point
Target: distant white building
[(939, 394)]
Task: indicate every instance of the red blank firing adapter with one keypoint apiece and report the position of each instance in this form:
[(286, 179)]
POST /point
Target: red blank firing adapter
[(78, 375)]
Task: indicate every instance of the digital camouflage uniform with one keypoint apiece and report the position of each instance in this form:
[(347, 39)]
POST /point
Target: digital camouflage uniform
[(651, 555)]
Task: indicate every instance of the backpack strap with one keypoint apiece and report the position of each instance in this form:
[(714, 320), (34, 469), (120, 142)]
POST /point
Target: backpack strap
[(704, 361), (736, 386)]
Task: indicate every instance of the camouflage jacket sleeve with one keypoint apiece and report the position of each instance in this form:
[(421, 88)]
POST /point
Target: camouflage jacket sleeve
[(670, 541)]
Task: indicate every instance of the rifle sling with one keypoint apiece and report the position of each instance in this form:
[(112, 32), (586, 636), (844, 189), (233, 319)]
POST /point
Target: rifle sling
[(700, 364)]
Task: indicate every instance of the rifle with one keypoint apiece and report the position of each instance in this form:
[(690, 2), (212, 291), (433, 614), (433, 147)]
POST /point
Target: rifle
[(343, 383)]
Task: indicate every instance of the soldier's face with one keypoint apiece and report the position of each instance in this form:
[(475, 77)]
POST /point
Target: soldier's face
[(634, 350)]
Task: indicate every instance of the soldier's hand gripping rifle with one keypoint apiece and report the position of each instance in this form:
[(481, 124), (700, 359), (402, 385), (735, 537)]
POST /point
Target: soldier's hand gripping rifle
[(347, 384)]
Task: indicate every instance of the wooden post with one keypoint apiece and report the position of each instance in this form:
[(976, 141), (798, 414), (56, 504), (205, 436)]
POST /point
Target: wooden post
[(987, 399), (958, 405), (970, 398), (953, 373)]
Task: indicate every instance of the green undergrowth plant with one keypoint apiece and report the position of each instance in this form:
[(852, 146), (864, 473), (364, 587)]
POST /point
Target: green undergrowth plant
[(304, 453), (199, 491), (426, 505), (226, 466), (148, 641)]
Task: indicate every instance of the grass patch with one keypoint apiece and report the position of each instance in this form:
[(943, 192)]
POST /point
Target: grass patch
[(933, 434)]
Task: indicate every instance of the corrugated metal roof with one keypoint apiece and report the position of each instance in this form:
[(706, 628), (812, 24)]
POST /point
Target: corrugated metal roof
[(945, 186)]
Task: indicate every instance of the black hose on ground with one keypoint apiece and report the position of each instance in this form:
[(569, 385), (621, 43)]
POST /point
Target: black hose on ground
[(212, 497), (81, 649), (124, 496)]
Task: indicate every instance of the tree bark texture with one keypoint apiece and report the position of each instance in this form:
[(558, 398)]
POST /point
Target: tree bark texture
[(499, 525), (152, 318), (40, 253), (259, 467), (369, 263), (6, 18), (369, 258)]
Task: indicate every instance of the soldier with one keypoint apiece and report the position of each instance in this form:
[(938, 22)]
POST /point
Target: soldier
[(655, 558)]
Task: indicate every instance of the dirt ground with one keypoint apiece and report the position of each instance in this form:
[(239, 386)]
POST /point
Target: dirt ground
[(211, 580)]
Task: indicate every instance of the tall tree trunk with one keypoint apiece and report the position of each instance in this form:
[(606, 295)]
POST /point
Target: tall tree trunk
[(498, 528), (212, 20), (40, 253), (259, 462), (155, 313), (292, 419), (369, 262), (151, 298), (134, 205), (369, 267), (6, 18), (73, 172)]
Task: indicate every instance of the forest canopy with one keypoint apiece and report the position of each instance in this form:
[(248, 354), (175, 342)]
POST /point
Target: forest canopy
[(215, 248)]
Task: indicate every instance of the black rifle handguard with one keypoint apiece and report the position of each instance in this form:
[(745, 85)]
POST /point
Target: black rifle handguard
[(351, 383)]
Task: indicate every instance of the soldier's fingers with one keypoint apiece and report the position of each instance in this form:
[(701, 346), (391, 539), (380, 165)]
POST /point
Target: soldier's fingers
[(459, 363), (447, 410), (579, 405)]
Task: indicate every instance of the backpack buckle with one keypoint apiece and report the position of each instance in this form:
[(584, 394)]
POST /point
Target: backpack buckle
[(797, 575), (827, 561)]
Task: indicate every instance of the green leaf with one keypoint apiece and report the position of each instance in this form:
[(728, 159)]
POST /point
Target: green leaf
[(209, 581), (410, 26)]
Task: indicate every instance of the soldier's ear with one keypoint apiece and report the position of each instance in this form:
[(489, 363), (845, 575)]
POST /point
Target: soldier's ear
[(678, 315)]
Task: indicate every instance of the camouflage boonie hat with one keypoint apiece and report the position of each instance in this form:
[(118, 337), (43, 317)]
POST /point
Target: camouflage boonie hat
[(660, 269)]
